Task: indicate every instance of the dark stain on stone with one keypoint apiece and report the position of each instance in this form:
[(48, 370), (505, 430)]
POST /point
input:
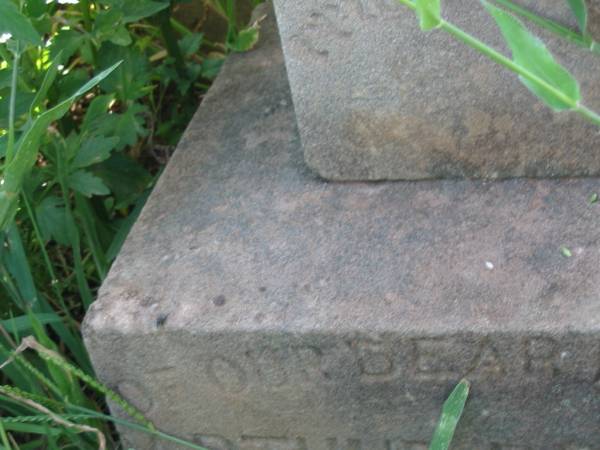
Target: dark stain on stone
[(219, 300), (262, 289), (161, 320)]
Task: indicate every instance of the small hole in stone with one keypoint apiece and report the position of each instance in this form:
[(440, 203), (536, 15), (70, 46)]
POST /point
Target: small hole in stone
[(262, 289), (161, 320), (219, 300)]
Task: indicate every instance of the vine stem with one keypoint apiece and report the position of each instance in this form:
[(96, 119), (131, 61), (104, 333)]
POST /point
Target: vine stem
[(499, 58)]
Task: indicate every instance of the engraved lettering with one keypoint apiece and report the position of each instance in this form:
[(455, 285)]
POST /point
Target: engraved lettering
[(375, 361), (349, 444), (541, 356), (397, 444), (276, 367), (213, 442), (487, 362), (272, 443), (266, 442), (497, 446), (442, 359), (227, 375)]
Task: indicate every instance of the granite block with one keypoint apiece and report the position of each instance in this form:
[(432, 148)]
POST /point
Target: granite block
[(255, 306)]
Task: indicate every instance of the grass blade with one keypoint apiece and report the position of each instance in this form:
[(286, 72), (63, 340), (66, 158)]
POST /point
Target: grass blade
[(451, 413), (579, 9)]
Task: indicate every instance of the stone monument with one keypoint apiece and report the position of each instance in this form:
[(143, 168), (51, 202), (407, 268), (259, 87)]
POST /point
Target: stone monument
[(255, 306), (378, 99)]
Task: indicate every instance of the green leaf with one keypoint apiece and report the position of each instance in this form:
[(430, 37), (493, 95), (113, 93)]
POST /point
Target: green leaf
[(27, 150), (94, 151), (23, 102), (64, 45), (125, 226), (36, 8), (211, 67), (530, 52), (579, 9), (129, 81), (451, 413), (191, 43), (246, 39), (42, 93), (127, 126), (566, 252), (136, 10), (5, 78), (594, 198), (120, 36), (87, 184), (126, 178), (96, 111), (429, 13), (52, 222), (15, 23)]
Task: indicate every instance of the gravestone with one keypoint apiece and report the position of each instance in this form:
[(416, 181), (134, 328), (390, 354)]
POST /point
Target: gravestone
[(256, 307), (377, 99)]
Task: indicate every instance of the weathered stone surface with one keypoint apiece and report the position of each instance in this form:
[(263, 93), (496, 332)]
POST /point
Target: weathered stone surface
[(377, 99), (256, 307)]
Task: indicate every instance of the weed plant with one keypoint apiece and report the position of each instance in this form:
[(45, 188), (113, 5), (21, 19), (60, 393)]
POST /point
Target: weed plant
[(93, 97)]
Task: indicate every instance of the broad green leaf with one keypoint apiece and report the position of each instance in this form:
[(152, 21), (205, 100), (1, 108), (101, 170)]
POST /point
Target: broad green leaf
[(579, 9), (87, 184), (211, 67), (65, 44), (530, 53), (96, 111), (126, 178), (120, 36), (36, 8), (246, 39), (51, 217), (16, 24), (132, 77), (127, 126), (135, 10), (27, 150), (106, 21), (191, 43), (94, 151), (451, 413), (429, 13)]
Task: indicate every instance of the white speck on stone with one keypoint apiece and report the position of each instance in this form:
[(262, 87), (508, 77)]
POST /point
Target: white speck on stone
[(489, 265), (563, 355)]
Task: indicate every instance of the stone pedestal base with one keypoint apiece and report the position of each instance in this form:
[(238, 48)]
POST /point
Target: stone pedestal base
[(257, 307)]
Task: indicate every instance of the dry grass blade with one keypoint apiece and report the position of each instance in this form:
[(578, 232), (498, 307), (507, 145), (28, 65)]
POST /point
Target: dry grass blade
[(57, 419)]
